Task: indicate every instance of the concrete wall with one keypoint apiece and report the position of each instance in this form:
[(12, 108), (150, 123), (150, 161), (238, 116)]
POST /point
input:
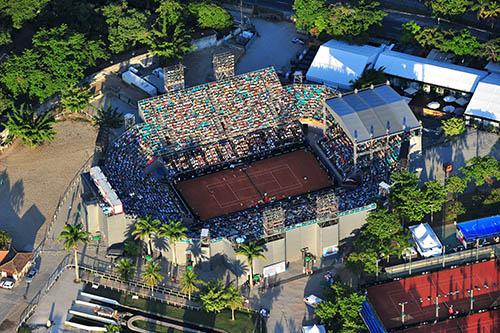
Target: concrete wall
[(349, 223), (300, 238), (205, 42)]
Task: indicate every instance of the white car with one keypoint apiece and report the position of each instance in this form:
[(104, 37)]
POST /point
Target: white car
[(312, 300), (7, 284)]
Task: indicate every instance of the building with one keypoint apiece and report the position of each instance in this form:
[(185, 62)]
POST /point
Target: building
[(15, 264), (338, 63), (429, 75), (484, 106)]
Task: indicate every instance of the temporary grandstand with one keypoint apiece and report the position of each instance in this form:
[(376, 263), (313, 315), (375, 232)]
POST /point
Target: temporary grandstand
[(454, 298), (218, 155)]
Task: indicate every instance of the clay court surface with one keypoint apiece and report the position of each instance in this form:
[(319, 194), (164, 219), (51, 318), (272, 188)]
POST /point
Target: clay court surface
[(236, 189), (485, 322), (451, 286)]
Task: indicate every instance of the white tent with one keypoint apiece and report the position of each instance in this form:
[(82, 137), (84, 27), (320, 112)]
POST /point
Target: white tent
[(314, 329), (139, 82), (430, 71), (485, 102), (337, 63), (428, 244)]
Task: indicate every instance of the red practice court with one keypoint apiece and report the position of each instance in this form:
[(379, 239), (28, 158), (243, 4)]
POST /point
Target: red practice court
[(236, 189), (484, 322), (451, 287)]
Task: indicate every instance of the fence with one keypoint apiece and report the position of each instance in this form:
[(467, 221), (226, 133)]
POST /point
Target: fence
[(446, 260)]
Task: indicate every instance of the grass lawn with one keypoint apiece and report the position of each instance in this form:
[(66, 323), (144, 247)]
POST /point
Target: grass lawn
[(244, 321), (155, 328)]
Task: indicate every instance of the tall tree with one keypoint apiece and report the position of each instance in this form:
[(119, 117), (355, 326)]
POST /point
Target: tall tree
[(189, 283), (455, 185), (5, 240), (212, 298), (406, 197), (75, 99), (72, 236), (435, 197), (151, 275), (108, 117), (370, 76), (6, 102), (446, 8), (131, 248), (453, 126), (173, 231), (251, 251), (462, 43), (126, 269), (126, 26), (145, 228), (490, 50), (306, 12), (481, 170), (32, 129), (234, 299), (453, 210), (210, 15), (21, 11)]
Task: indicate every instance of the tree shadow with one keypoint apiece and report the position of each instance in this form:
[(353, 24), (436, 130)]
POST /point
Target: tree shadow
[(238, 267)]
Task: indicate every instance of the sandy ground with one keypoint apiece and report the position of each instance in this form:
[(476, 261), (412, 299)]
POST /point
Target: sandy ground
[(34, 179)]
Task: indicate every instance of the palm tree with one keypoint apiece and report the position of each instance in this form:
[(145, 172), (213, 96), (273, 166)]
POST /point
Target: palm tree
[(72, 236), (173, 231), (110, 328), (251, 251), (144, 230), (126, 269), (189, 283), (131, 248), (33, 129), (151, 275), (370, 76), (108, 117), (234, 299)]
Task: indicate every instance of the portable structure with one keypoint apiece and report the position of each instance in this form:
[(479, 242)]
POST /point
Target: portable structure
[(425, 238), (470, 231), (136, 81)]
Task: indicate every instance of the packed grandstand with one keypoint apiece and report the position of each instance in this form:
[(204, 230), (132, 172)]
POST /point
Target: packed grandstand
[(231, 123)]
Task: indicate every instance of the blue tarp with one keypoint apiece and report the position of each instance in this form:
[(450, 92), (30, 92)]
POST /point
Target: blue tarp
[(481, 228), (371, 319)]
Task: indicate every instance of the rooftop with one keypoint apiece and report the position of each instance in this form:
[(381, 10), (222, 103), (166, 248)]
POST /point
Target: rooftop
[(485, 101)]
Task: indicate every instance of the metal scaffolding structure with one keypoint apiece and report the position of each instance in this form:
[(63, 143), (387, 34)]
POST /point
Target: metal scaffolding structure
[(273, 220), (327, 207), (223, 65), (174, 77), (298, 77)]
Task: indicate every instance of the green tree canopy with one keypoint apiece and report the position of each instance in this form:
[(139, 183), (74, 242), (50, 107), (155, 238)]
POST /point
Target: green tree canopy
[(126, 269), (108, 117), (340, 310), (446, 8), (453, 210), (21, 11), (481, 170), (190, 283), (251, 251), (370, 76), (5, 240), (173, 231), (490, 50), (234, 299), (6, 103), (72, 236), (126, 26), (213, 297), (455, 185), (487, 9), (434, 197), (453, 126), (76, 98), (307, 12), (151, 274), (144, 229), (406, 197), (33, 129), (210, 15)]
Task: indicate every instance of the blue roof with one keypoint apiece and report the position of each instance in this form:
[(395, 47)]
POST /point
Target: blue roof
[(371, 319), (481, 228)]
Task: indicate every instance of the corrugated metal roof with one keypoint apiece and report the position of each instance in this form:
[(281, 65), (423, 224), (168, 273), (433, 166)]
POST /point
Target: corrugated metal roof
[(480, 228)]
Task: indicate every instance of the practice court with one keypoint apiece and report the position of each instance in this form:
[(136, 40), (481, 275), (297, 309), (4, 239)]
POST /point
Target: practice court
[(246, 186)]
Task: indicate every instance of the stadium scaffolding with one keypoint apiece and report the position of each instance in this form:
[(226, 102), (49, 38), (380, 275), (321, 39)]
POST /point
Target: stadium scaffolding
[(223, 65), (174, 78)]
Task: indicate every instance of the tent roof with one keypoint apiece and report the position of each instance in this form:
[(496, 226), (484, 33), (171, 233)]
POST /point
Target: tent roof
[(480, 228), (373, 113), (425, 237), (314, 329), (484, 103), (430, 71), (336, 63)]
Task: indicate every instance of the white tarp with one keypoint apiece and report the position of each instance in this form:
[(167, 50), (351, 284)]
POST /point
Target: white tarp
[(427, 242), (485, 102), (137, 81), (107, 192), (314, 329), (337, 63), (274, 269), (430, 71)]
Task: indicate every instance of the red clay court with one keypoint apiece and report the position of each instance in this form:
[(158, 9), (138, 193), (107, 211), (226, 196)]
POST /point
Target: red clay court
[(484, 322), (237, 189), (451, 286)]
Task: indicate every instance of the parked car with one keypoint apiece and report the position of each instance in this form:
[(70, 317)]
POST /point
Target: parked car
[(31, 274), (312, 300), (7, 284)]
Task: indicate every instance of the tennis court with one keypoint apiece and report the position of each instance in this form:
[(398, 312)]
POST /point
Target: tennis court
[(449, 287), (246, 186)]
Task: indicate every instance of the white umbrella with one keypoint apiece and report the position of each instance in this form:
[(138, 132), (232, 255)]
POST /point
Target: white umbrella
[(433, 105), (449, 99), (461, 101), (449, 108)]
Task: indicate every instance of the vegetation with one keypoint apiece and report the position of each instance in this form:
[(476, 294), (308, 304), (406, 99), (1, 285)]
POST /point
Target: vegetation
[(213, 297), (32, 129), (5, 240), (455, 185), (210, 15), (151, 275), (145, 228), (340, 309), (307, 12), (72, 236), (126, 269), (444, 8), (108, 117), (131, 248), (251, 251), (369, 77), (234, 299), (173, 231), (20, 11), (110, 328), (453, 126), (76, 98), (190, 283), (481, 170), (406, 197)]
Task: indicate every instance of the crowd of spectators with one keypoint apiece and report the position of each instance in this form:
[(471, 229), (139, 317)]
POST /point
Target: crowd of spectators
[(339, 149)]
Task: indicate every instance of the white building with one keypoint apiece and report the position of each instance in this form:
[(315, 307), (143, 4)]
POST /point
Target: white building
[(484, 106), (338, 63)]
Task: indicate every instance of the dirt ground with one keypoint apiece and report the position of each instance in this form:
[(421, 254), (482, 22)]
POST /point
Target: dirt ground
[(32, 180)]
